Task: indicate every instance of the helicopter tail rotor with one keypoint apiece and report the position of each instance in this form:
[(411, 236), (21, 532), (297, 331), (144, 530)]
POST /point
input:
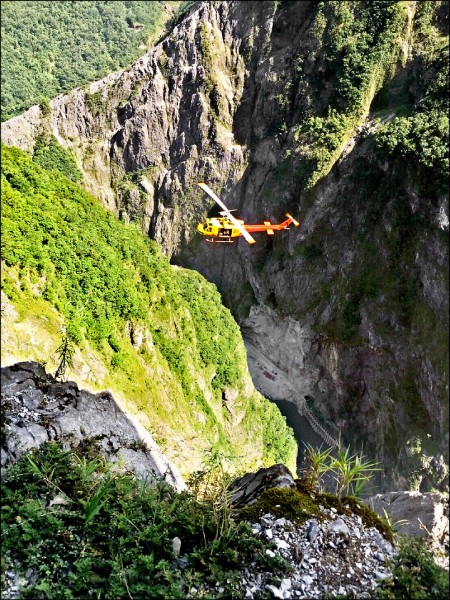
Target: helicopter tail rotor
[(296, 223)]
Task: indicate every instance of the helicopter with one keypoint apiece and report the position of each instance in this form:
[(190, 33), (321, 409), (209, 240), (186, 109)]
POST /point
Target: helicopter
[(227, 227)]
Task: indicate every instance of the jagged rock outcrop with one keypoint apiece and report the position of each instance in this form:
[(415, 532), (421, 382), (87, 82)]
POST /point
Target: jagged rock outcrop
[(168, 119), (245, 490), (353, 305), (36, 409), (411, 514)]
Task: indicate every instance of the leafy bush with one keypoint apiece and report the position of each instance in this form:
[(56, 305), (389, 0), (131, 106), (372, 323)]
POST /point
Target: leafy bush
[(50, 155), (424, 136), (80, 525), (320, 139), (350, 472), (416, 574)]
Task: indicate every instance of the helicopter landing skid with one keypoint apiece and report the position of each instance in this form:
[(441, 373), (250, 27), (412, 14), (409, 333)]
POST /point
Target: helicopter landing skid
[(213, 241)]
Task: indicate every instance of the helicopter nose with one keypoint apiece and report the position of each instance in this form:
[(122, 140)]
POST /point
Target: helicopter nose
[(200, 228)]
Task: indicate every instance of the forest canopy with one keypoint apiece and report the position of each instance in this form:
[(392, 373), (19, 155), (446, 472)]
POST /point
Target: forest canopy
[(49, 48)]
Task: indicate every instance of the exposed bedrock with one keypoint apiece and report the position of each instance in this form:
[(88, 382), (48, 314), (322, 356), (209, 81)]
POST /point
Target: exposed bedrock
[(36, 409)]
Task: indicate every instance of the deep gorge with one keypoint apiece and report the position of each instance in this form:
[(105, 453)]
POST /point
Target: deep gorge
[(270, 104)]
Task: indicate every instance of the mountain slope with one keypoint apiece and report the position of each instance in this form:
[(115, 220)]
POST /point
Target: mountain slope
[(157, 336), (51, 47)]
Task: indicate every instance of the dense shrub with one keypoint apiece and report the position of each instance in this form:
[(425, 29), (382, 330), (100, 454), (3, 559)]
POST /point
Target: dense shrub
[(423, 136), (416, 574), (80, 525), (50, 155)]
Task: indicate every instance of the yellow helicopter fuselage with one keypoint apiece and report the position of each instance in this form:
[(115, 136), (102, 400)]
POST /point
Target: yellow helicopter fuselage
[(219, 228), (223, 229)]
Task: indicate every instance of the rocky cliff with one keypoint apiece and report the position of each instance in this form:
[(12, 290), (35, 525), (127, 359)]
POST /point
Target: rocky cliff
[(282, 106), (36, 408)]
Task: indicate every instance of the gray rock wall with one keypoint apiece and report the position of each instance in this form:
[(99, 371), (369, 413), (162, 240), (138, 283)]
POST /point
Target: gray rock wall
[(36, 409), (413, 514)]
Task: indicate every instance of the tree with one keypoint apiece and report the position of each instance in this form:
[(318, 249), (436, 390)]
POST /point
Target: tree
[(65, 354)]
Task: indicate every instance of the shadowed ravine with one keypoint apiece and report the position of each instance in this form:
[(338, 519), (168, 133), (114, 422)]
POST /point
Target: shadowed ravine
[(272, 382)]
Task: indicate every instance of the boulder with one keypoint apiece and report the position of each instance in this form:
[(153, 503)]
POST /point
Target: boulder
[(246, 489), (425, 516)]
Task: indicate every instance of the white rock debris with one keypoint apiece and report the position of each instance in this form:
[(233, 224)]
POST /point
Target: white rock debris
[(338, 556)]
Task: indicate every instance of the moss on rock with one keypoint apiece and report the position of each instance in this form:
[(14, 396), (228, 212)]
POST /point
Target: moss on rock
[(300, 504), (282, 502)]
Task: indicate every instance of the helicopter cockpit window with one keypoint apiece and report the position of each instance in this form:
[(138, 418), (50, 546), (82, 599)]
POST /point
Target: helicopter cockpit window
[(208, 230)]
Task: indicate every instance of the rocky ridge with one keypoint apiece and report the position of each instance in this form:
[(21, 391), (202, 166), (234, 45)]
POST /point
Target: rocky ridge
[(337, 557), (334, 554), (412, 514), (36, 409)]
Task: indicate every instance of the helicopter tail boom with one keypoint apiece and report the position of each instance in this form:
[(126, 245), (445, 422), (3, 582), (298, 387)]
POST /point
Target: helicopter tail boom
[(290, 220), (269, 230)]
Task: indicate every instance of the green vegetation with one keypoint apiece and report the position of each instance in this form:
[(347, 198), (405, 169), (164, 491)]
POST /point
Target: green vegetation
[(350, 472), (300, 504), (49, 155), (423, 137), (75, 524), (111, 287), (416, 574), (320, 140), (359, 46), (53, 47), (65, 356), (430, 29), (82, 525), (283, 502), (359, 42)]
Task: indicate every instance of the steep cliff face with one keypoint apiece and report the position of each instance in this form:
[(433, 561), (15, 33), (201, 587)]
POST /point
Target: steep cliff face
[(279, 106), (144, 135), (96, 300)]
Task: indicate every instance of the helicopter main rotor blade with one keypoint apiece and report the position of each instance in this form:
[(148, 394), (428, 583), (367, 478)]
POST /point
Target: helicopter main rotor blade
[(209, 191), (235, 222)]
